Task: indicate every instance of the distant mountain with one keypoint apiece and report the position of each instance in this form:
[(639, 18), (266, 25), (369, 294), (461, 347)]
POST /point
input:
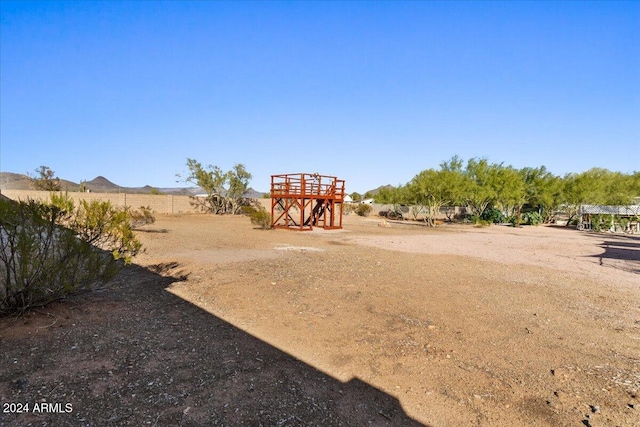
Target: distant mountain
[(253, 194), (377, 190), (14, 181), (18, 181), (100, 184)]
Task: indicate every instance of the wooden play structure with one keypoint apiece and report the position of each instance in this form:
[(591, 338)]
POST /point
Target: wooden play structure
[(301, 201)]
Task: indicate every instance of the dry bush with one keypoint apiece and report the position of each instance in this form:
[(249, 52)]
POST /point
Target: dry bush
[(363, 209), (258, 215), (49, 250), (141, 216)]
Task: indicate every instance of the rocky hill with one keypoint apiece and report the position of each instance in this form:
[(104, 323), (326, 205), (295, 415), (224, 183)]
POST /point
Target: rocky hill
[(100, 184), (377, 190)]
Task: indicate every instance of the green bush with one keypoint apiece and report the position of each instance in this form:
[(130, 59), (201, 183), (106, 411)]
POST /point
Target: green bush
[(478, 221), (49, 250), (624, 224), (492, 215), (258, 215), (363, 209), (532, 218), (596, 223), (602, 222)]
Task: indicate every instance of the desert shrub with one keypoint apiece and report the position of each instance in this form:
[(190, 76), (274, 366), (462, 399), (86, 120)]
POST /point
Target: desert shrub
[(532, 218), (596, 223), (493, 215), (141, 216), (348, 208), (363, 209), (49, 250), (391, 214), (258, 215), (602, 222), (465, 218), (624, 224)]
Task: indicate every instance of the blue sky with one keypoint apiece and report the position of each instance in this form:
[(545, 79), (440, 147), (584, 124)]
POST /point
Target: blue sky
[(372, 92)]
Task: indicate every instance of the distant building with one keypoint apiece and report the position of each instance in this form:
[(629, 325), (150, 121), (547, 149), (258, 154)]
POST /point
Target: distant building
[(623, 219)]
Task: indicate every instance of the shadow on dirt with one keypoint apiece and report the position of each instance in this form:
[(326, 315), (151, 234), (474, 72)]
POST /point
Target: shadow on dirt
[(625, 253), (139, 355), (152, 230)]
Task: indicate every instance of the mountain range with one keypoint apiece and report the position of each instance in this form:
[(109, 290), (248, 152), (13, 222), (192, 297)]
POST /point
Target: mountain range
[(100, 184)]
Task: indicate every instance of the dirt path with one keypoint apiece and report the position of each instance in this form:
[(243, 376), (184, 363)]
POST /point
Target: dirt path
[(363, 326)]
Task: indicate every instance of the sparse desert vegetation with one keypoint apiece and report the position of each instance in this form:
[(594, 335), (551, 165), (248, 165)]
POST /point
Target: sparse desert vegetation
[(222, 324)]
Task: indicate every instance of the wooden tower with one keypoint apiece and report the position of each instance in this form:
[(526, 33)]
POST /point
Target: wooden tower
[(301, 201)]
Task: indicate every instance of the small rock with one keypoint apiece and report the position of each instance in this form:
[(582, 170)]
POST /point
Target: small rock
[(595, 409)]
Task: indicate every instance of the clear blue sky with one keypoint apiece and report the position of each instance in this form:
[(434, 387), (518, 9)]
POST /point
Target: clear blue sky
[(372, 92)]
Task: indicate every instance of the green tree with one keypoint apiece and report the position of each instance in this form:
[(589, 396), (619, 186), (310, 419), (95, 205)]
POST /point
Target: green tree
[(511, 191), (224, 190), (618, 188), (212, 181), (634, 181), (579, 189), (455, 164), (481, 183), (393, 196), (458, 184), (238, 183), (432, 189), (45, 179), (356, 197), (544, 191), (412, 196)]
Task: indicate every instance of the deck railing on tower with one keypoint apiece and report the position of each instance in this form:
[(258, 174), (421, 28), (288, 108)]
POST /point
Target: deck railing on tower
[(302, 201)]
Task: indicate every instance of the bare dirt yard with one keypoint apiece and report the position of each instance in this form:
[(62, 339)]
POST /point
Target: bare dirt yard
[(219, 323)]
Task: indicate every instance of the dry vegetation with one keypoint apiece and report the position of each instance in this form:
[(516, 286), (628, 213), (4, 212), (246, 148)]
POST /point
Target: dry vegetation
[(224, 324)]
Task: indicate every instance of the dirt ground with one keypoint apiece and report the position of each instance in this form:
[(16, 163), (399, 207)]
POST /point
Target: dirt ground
[(222, 324)]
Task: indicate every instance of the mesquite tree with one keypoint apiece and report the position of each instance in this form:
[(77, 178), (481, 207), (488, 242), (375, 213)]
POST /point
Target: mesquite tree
[(224, 190)]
